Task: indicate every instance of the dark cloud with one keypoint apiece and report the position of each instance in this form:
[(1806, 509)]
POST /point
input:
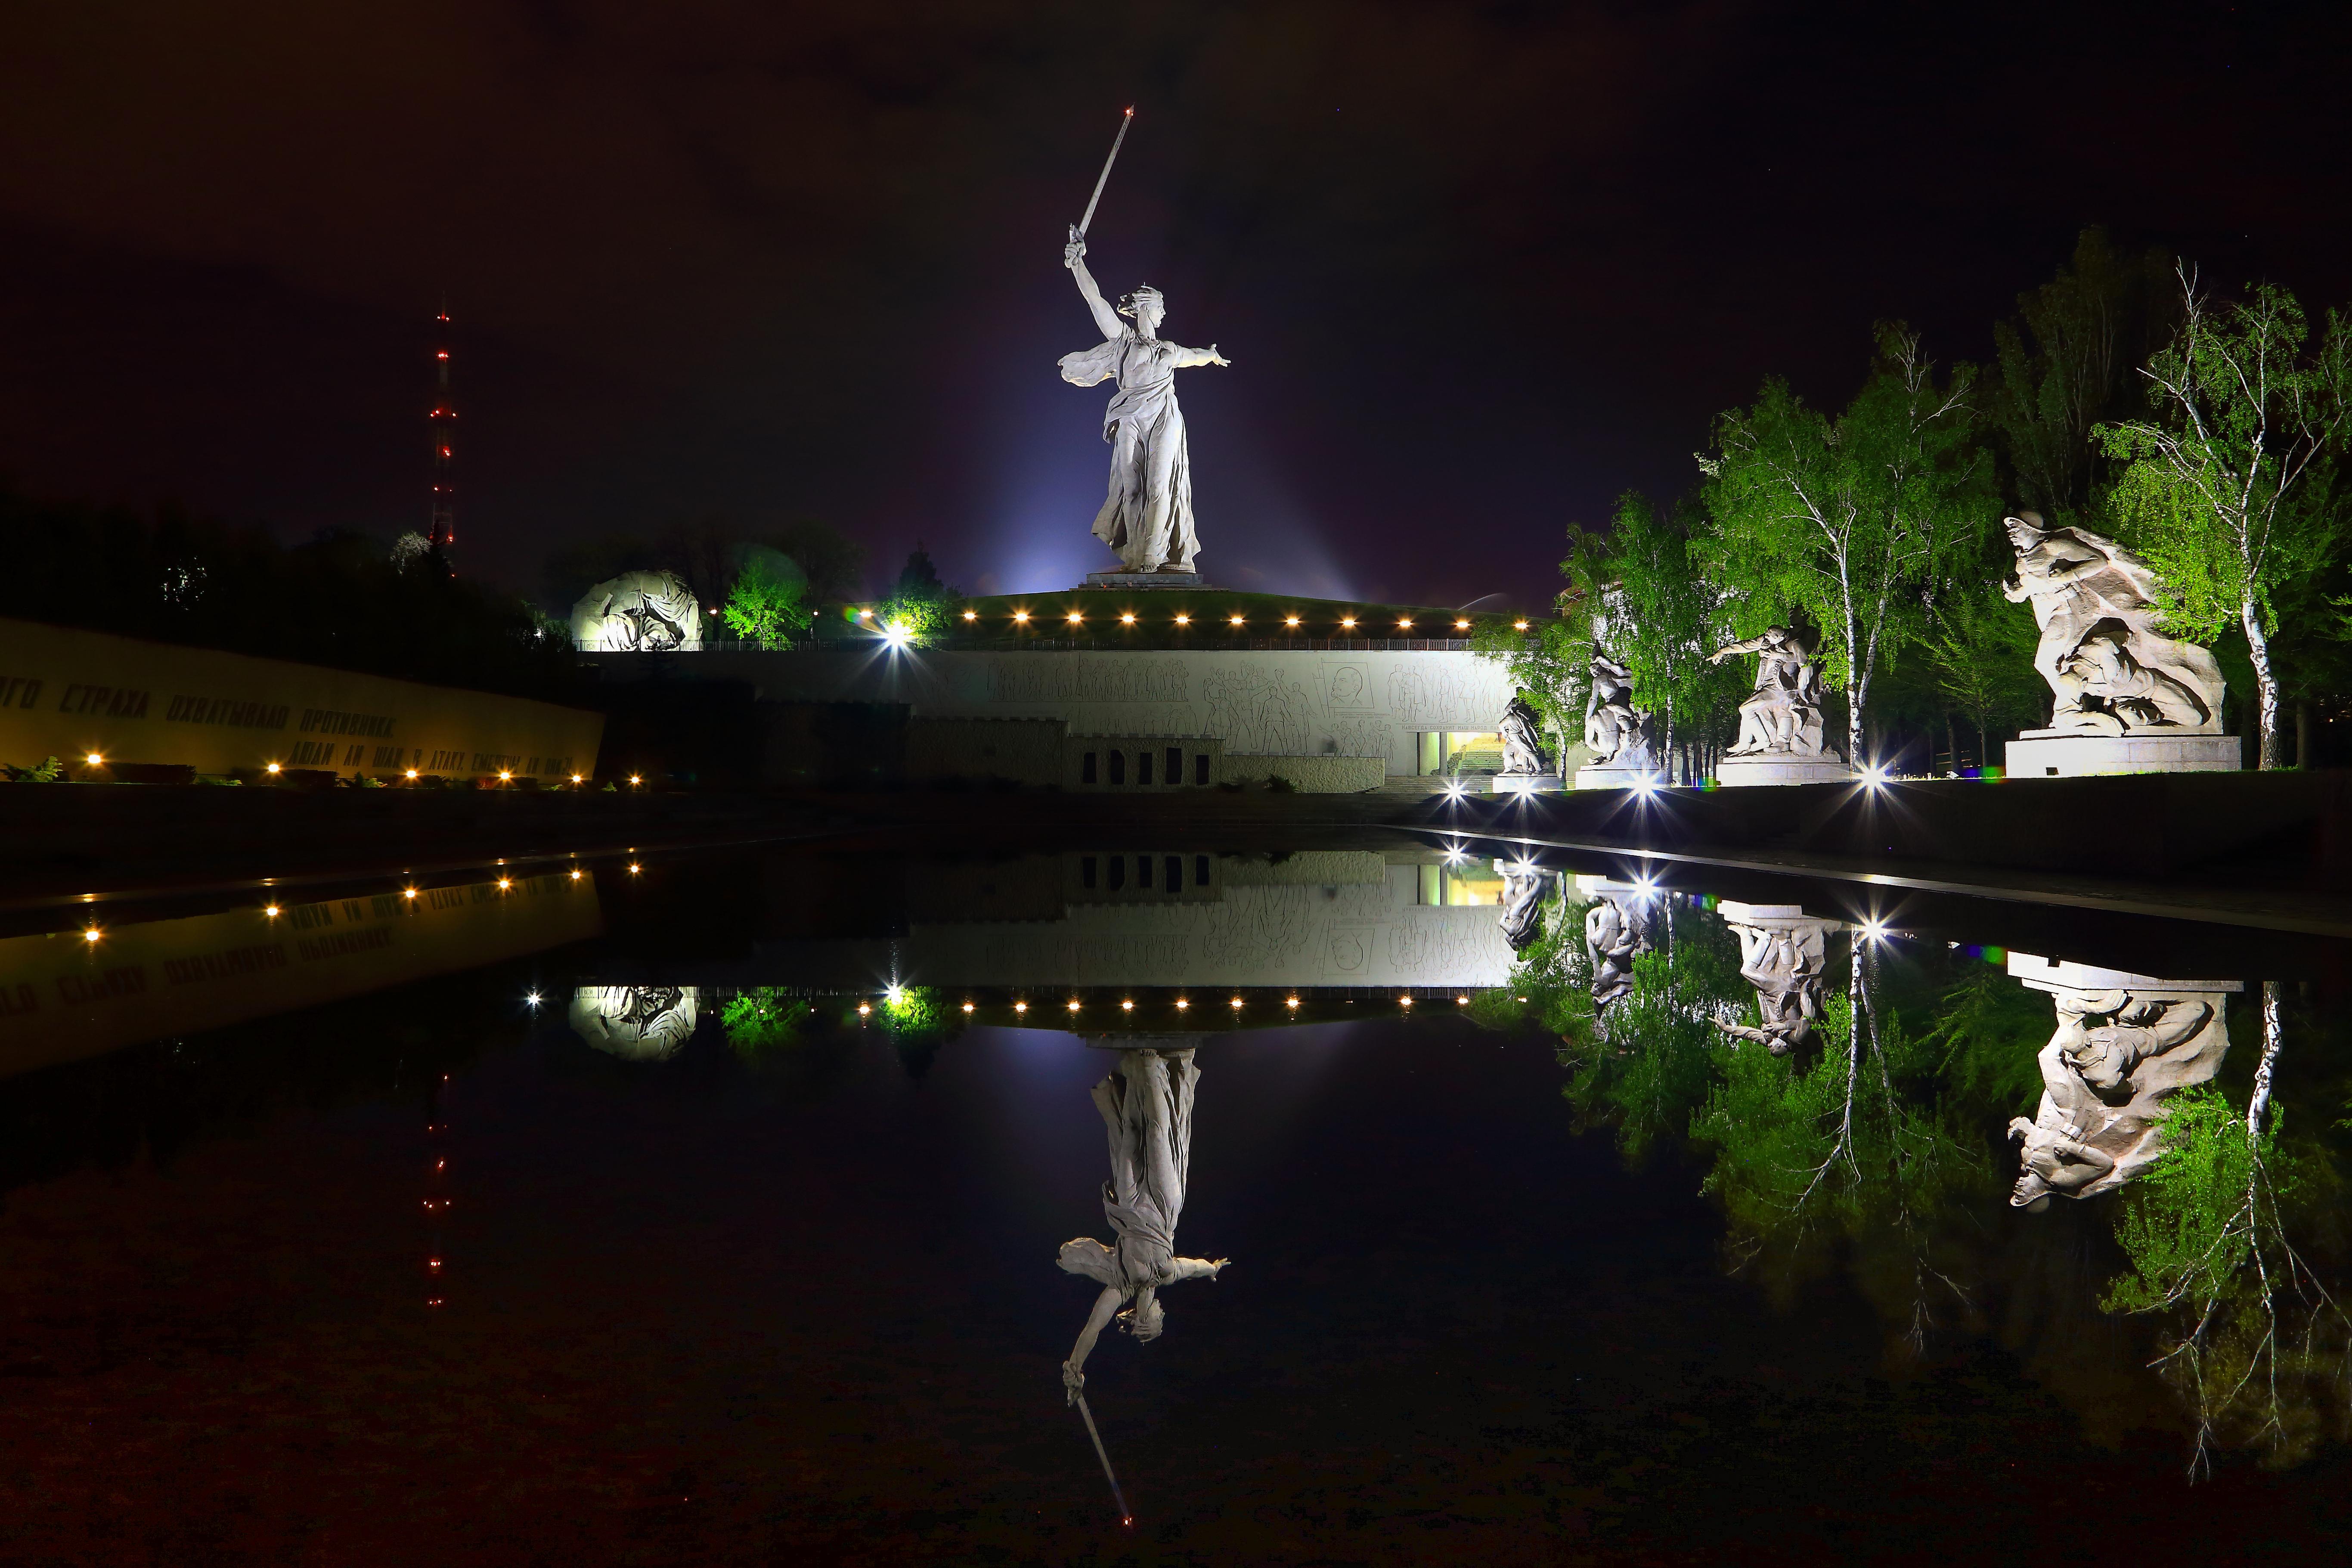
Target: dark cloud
[(1479, 266)]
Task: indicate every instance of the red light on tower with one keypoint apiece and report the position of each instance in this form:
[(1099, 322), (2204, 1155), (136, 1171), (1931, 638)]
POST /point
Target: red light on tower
[(442, 533)]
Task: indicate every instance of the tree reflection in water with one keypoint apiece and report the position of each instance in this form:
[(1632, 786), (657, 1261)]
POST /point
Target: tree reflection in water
[(1875, 1148)]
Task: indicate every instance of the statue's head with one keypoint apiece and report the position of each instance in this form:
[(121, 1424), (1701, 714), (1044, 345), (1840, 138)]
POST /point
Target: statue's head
[(2026, 529), (1146, 306)]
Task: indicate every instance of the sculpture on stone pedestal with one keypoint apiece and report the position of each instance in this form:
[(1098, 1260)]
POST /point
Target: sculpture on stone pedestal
[(1522, 902), (1617, 930), (1148, 516), (2118, 1053), (1147, 1108), (1618, 732), (1782, 717), (641, 1022), (2110, 670), (1784, 953), (1520, 728), (638, 612)]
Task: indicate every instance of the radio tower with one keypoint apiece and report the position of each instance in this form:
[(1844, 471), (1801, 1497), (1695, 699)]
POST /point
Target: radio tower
[(443, 530)]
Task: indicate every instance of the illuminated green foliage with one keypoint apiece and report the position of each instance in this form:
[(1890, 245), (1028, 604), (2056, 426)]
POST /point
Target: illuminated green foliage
[(769, 603), (763, 1019)]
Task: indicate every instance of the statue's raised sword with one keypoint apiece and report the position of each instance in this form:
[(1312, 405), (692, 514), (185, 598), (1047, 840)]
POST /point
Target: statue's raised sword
[(1078, 229)]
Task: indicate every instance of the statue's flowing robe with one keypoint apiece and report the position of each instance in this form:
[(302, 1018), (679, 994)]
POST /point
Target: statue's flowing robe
[(1148, 516), (1147, 1109)]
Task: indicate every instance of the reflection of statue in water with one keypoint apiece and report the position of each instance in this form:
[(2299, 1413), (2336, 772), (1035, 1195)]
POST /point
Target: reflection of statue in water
[(1618, 732), (1148, 516), (2124, 1043), (1784, 953), (1522, 902), (1146, 1106), (1521, 726), (643, 1023), (1617, 930), (2111, 671), (1783, 714)]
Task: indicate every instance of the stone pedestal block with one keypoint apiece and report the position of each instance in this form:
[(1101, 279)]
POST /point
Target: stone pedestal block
[(2058, 754), (1144, 580), (1617, 778), (1735, 771), (1524, 784)]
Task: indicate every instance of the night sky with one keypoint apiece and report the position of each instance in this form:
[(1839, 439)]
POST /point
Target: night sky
[(1479, 268)]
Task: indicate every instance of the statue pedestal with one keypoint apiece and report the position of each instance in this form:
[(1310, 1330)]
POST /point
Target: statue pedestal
[(1524, 784), (2063, 754), (1144, 580), (1608, 777), (1782, 768)]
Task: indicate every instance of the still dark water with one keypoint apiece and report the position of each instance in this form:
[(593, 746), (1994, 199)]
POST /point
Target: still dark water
[(323, 1241)]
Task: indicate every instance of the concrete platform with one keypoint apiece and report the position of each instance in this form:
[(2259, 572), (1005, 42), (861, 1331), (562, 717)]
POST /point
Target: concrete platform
[(2057, 754), (1617, 778), (1524, 784), (1734, 773), (1144, 580)]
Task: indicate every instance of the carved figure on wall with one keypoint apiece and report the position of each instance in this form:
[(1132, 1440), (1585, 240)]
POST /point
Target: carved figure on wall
[(2117, 1054), (638, 612), (1521, 728), (1617, 930), (642, 1023), (1148, 516), (1522, 902), (1784, 953), (1618, 732), (2110, 671), (1783, 714), (1147, 1108)]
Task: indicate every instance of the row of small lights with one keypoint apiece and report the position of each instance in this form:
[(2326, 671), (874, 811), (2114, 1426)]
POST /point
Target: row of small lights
[(1127, 618), (98, 760), (896, 994), (92, 934)]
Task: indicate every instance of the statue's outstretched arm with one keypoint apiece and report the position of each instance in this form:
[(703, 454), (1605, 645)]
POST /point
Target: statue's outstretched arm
[(1182, 357), (1198, 1267), (1074, 1376), (1105, 319), (1750, 645)]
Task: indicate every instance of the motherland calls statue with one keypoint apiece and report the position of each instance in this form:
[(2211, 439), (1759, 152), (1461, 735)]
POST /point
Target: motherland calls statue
[(1148, 516), (1618, 732), (1146, 1106), (1521, 728), (2110, 670), (1782, 716), (2120, 1050), (1784, 953)]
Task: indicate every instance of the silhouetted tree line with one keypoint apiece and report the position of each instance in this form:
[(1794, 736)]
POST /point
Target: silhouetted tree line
[(337, 600)]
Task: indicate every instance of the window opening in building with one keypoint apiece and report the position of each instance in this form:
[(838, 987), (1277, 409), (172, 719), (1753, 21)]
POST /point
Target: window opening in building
[(1201, 767), (1143, 767), (1142, 868), (1086, 769), (1086, 872), (1175, 869), (1201, 867), (1119, 767), (1118, 872)]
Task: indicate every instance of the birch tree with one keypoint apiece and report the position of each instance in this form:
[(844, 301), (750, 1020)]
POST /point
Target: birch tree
[(2230, 493), (1854, 520)]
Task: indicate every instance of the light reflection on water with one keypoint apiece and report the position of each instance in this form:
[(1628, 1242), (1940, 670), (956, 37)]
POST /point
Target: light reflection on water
[(2078, 1162)]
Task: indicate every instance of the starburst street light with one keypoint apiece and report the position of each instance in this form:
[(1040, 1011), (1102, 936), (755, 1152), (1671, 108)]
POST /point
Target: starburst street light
[(897, 636), (1874, 775), (1873, 930)]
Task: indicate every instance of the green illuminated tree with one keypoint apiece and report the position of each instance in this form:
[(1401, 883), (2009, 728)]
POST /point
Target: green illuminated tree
[(2230, 491), (769, 602), (763, 1019), (1663, 618), (1855, 523)]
